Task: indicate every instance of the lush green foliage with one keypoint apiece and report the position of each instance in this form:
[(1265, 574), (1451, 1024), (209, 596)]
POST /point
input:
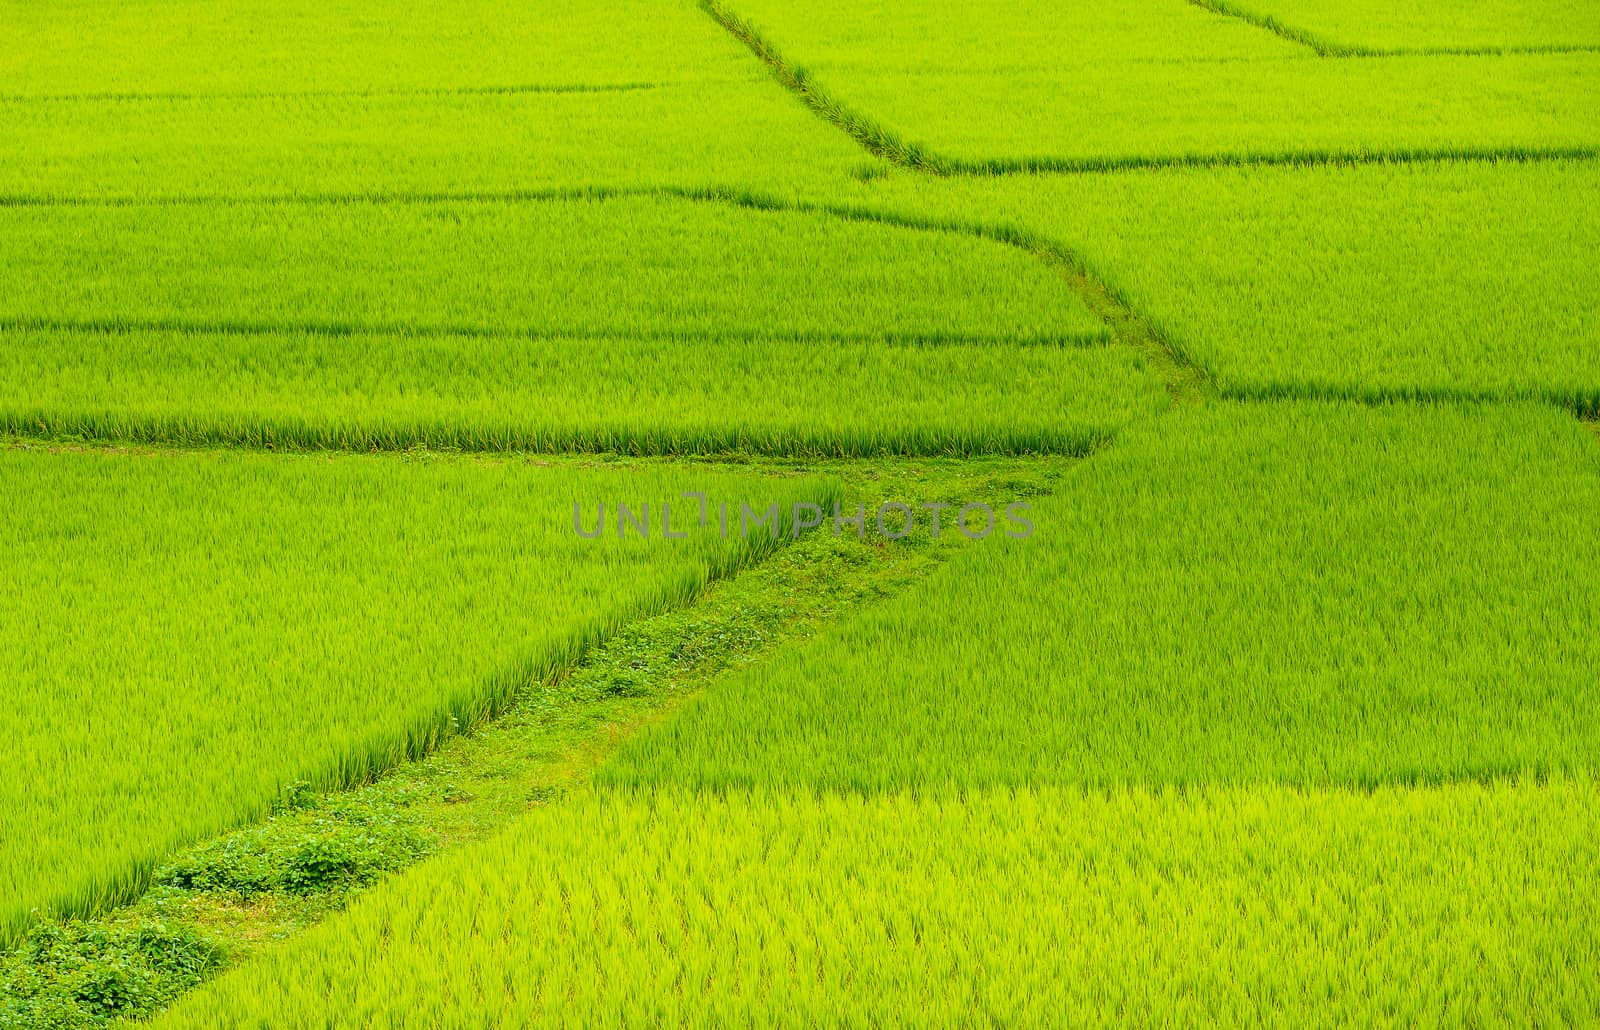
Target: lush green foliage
[(623, 394), (1435, 279), (1403, 907), (649, 267), (1311, 594), (1430, 26), (183, 634), (65, 977), (1050, 85)]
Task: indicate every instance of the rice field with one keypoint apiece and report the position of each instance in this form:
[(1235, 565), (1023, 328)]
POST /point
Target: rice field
[(628, 394), (1010, 907), (1368, 28), (1453, 280), (1312, 595), (351, 354), (694, 270), (1069, 87), (186, 633)]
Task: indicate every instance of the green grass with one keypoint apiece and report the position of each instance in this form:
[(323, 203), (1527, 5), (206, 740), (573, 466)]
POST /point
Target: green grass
[(1435, 279), (1027, 907), (182, 634), (648, 267), (189, 46), (1310, 594), (1061, 86), (1432, 26), (784, 396)]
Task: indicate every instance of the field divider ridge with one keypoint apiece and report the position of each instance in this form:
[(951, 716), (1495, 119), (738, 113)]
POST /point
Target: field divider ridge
[(159, 96), (280, 435), (1325, 47), (875, 139), (404, 330), (1581, 404), (1267, 23)]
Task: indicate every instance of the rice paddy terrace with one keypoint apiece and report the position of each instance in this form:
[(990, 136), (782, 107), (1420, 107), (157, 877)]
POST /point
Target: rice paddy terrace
[(639, 512)]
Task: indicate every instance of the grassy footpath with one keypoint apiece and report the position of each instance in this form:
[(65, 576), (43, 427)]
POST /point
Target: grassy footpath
[(182, 633), (221, 901)]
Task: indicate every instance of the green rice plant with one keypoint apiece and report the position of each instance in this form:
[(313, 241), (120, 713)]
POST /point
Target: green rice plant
[(1372, 27), (1039, 85), (638, 396), (1441, 280), (660, 268), (1468, 904), (188, 47), (244, 97), (1310, 594), (725, 134), (182, 634)]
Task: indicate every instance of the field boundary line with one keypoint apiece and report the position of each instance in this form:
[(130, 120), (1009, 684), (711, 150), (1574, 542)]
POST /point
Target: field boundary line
[(334, 199), (178, 326), (1267, 23), (1185, 380), (1327, 47), (1582, 404), (994, 168), (875, 139), (350, 437), (1318, 158), (158, 96)]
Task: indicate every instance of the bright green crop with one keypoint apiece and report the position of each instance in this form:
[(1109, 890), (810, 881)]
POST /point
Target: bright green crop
[(1443, 280), (775, 396), (1427, 26), (87, 47), (182, 634), (660, 268), (1047, 85), (1027, 908), (1298, 593)]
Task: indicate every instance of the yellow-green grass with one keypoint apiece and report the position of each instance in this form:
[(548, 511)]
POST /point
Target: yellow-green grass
[(1067, 86), (775, 396), (1437, 280), (1302, 593), (384, 144), (249, 46), (182, 634), (649, 267), (1467, 904), (1425, 26)]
